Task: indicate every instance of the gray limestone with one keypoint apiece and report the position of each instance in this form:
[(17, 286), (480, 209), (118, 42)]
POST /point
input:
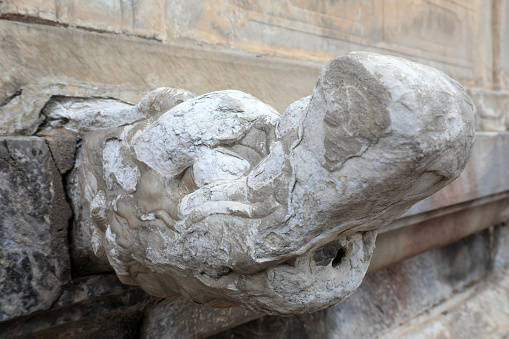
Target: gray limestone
[(34, 254)]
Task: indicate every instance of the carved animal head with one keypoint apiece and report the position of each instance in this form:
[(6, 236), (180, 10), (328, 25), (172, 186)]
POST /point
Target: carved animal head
[(223, 200)]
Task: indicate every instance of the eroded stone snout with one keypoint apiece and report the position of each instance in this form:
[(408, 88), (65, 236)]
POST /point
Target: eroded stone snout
[(223, 200)]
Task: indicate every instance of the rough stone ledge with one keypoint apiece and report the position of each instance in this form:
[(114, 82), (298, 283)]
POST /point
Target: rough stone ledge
[(97, 306), (50, 65), (437, 231)]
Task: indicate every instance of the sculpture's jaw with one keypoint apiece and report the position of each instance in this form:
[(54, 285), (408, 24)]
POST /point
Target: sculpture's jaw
[(308, 283)]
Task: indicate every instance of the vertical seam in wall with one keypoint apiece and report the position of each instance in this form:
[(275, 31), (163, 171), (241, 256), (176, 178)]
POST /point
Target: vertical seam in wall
[(57, 10)]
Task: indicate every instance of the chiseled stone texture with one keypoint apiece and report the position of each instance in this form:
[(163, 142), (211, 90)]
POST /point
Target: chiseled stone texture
[(223, 200), (389, 298), (71, 114), (34, 255)]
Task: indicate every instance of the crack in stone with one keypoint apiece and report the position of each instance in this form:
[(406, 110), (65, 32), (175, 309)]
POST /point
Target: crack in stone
[(4, 102)]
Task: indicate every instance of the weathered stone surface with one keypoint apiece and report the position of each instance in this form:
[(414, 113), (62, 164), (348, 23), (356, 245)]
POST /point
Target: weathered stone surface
[(89, 114), (388, 298), (74, 114), (62, 144), (480, 313), (86, 114), (223, 200), (181, 318), (89, 307), (21, 108), (34, 254), (439, 34), (142, 18), (37, 62)]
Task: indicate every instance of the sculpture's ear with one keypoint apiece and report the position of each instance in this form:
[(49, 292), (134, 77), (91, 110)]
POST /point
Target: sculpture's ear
[(348, 111), (161, 100)]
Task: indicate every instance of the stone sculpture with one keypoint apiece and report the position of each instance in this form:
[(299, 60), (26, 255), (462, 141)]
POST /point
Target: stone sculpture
[(221, 199)]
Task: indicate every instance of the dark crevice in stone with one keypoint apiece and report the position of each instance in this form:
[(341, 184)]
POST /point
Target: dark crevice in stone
[(11, 97), (339, 257), (332, 251)]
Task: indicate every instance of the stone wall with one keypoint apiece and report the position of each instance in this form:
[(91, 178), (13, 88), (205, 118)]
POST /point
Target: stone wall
[(449, 247), (455, 37), (274, 51)]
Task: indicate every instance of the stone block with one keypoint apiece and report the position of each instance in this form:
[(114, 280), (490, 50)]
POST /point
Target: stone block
[(100, 15), (38, 61), (34, 215), (440, 33), (90, 307), (149, 19), (35, 9), (437, 228), (62, 144), (501, 44), (143, 18), (492, 109)]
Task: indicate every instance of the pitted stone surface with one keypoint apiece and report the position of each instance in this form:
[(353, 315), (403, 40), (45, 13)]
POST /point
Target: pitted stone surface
[(34, 257), (222, 200)]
